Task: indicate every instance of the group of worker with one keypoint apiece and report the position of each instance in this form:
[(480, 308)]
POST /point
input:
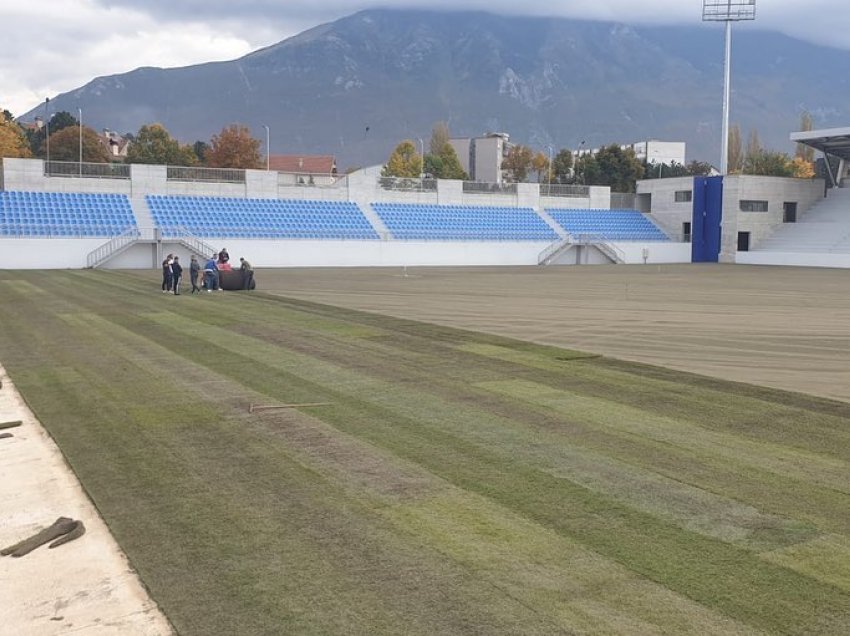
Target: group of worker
[(172, 273)]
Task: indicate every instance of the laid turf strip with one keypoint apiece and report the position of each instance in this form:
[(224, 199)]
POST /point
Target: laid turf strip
[(450, 482)]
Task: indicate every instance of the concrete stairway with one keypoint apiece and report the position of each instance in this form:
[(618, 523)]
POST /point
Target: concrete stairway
[(824, 228)]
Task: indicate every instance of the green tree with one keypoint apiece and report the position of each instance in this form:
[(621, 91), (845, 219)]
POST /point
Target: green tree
[(518, 162), (587, 170), (65, 145), (154, 145), (200, 148), (404, 161), (735, 153), (234, 147), (699, 168), (769, 163), (620, 169), (562, 166)]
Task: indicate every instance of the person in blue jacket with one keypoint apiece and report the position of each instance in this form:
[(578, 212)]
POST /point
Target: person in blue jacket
[(211, 274)]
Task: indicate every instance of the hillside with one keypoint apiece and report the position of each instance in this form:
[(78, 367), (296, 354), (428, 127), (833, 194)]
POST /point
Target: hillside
[(356, 86)]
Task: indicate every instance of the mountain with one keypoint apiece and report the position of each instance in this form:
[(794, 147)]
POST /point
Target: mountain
[(357, 86)]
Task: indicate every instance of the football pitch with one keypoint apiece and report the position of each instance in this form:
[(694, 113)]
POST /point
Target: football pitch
[(423, 478)]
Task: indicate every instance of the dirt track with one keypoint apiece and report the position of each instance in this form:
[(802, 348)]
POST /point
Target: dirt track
[(781, 327)]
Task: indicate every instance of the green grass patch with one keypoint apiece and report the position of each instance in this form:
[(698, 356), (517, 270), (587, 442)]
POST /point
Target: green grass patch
[(456, 483)]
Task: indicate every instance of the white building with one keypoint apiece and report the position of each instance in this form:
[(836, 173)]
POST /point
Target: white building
[(481, 157), (652, 151)]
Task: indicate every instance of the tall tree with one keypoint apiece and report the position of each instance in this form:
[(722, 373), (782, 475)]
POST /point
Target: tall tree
[(65, 145), (804, 152), (562, 166), (404, 161), (518, 162), (540, 164), (735, 155), (699, 168), (200, 149), (234, 147), (154, 145), (439, 137), (620, 169), (753, 144)]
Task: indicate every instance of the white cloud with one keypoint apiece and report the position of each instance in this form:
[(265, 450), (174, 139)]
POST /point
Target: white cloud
[(53, 46)]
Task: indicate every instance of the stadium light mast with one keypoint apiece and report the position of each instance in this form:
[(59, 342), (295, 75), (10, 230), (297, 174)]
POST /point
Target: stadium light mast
[(268, 150), (727, 11)]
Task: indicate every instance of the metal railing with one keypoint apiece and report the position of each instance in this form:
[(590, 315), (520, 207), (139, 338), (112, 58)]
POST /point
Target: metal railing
[(194, 173), (582, 238), (314, 180), (564, 190), (86, 170), (480, 187), (113, 245), (407, 184)]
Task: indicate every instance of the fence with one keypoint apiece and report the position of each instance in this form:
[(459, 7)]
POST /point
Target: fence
[(405, 184), (478, 187), (564, 190), (219, 175), (86, 170)]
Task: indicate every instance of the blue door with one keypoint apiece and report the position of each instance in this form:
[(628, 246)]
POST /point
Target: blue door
[(707, 217)]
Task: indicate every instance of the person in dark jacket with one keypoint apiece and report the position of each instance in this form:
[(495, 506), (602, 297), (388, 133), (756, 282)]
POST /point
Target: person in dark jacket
[(247, 273), (167, 279), (195, 273), (176, 275)]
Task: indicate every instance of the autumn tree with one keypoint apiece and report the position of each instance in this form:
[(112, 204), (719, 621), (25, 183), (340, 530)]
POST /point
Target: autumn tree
[(234, 147), (753, 145), (802, 169), (154, 145), (735, 152), (439, 137), (518, 162), (804, 152), (562, 166), (13, 142), (65, 145), (404, 161), (540, 164), (37, 136)]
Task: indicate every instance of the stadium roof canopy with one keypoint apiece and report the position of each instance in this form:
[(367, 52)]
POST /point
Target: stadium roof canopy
[(832, 141)]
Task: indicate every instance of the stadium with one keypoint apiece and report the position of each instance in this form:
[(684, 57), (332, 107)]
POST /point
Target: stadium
[(448, 407)]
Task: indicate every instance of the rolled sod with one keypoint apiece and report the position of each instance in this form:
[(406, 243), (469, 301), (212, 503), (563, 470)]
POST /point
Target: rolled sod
[(63, 525), (10, 424)]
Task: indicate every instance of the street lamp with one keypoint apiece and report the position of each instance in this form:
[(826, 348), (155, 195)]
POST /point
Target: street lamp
[(47, 133), (80, 111), (422, 155), (268, 150), (727, 11)]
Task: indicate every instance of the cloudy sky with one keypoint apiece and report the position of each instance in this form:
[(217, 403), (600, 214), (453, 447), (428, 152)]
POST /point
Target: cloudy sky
[(52, 46)]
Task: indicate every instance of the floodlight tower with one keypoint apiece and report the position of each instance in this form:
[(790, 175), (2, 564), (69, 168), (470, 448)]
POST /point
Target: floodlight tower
[(727, 11)]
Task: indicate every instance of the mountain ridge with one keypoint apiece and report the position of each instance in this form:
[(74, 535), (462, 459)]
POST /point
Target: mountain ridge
[(357, 86)]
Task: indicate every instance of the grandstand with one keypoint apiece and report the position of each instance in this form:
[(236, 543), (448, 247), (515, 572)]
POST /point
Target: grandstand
[(225, 217), (130, 218), (463, 223), (610, 225), (60, 214)]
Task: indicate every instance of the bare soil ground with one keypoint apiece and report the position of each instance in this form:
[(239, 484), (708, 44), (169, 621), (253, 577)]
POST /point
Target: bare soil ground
[(786, 328), (86, 586)]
